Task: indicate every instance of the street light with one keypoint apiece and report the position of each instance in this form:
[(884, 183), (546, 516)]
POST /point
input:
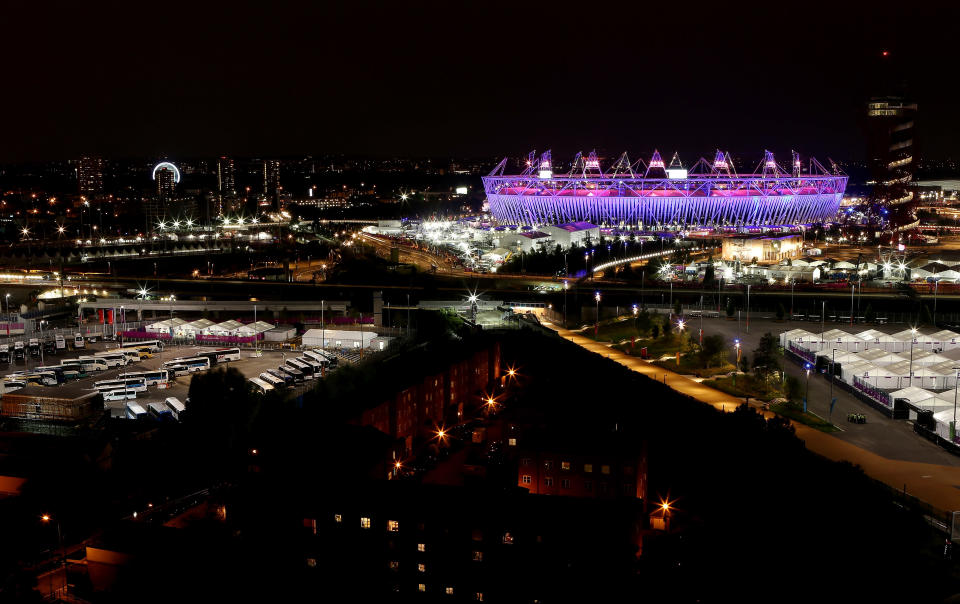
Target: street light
[(913, 339), (806, 395), (596, 327), (63, 560), (953, 426)]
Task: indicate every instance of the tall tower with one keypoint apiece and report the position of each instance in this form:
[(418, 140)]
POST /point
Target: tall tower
[(271, 178), (891, 148), (167, 176), (90, 176), (226, 182)]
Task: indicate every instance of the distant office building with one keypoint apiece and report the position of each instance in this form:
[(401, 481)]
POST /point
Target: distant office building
[(90, 176), (891, 148), (167, 176), (271, 178), (226, 178)]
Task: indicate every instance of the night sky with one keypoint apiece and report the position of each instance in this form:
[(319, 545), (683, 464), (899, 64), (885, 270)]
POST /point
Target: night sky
[(463, 78)]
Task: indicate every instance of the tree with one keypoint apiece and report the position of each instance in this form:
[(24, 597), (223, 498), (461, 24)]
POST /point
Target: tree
[(654, 331), (712, 348), (765, 358), (709, 273)]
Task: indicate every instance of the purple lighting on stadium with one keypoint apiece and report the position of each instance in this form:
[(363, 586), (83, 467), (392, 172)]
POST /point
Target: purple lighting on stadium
[(708, 195)]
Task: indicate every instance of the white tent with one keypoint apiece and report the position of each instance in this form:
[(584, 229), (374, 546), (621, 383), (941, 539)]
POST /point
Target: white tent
[(857, 368), (843, 265), (949, 370), (337, 338), (196, 327), (923, 376), (883, 379), (942, 420), (254, 328), (870, 335), (888, 358), (925, 357), (165, 326), (227, 328), (801, 338)]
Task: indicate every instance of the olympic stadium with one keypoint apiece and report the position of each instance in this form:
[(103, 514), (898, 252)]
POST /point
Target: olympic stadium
[(709, 195)]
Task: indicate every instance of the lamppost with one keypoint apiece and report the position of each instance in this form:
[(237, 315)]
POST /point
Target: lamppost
[(913, 339), (832, 400), (596, 327), (41, 341), (566, 286), (807, 394), (748, 308), (792, 283), (953, 425), (63, 559)]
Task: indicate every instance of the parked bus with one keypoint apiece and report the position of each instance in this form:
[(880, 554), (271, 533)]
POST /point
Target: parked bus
[(132, 355), (78, 342), (152, 378), (86, 365), (18, 351), (135, 411), (305, 369), (46, 378), (315, 364), (118, 394), (33, 345), (178, 370), (322, 357), (194, 364), (221, 355), (57, 370), (113, 359), (176, 407), (60, 343), (160, 411), (4, 353), (260, 386), (153, 345), (100, 363), (49, 347), (293, 372), (272, 380), (11, 385), (134, 384)]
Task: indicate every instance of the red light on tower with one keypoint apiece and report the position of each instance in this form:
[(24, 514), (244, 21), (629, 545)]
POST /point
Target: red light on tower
[(886, 53)]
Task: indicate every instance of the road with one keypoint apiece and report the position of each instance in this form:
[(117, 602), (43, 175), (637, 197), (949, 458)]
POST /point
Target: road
[(936, 480)]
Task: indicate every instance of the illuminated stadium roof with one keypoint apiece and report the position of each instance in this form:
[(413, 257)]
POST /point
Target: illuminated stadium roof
[(708, 195)]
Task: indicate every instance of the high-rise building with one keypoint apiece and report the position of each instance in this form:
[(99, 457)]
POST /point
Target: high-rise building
[(226, 182), (90, 176), (271, 178), (166, 175), (226, 179), (891, 149)]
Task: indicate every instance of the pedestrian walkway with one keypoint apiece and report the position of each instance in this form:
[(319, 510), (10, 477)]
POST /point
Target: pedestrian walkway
[(934, 484)]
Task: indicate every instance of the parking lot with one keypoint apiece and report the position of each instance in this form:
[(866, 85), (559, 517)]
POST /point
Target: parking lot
[(249, 365)]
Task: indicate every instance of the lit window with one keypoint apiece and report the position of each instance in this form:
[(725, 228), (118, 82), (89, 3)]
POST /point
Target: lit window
[(365, 523), (312, 562), (421, 568), (394, 565), (525, 461), (564, 465), (513, 443), (449, 591), (605, 469), (548, 465), (588, 468), (526, 479), (508, 538), (421, 587), (393, 526), (421, 547), (565, 483), (478, 596), (548, 481), (477, 556), (338, 518)]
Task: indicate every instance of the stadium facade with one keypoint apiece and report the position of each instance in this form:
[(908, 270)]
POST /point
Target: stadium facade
[(710, 195)]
